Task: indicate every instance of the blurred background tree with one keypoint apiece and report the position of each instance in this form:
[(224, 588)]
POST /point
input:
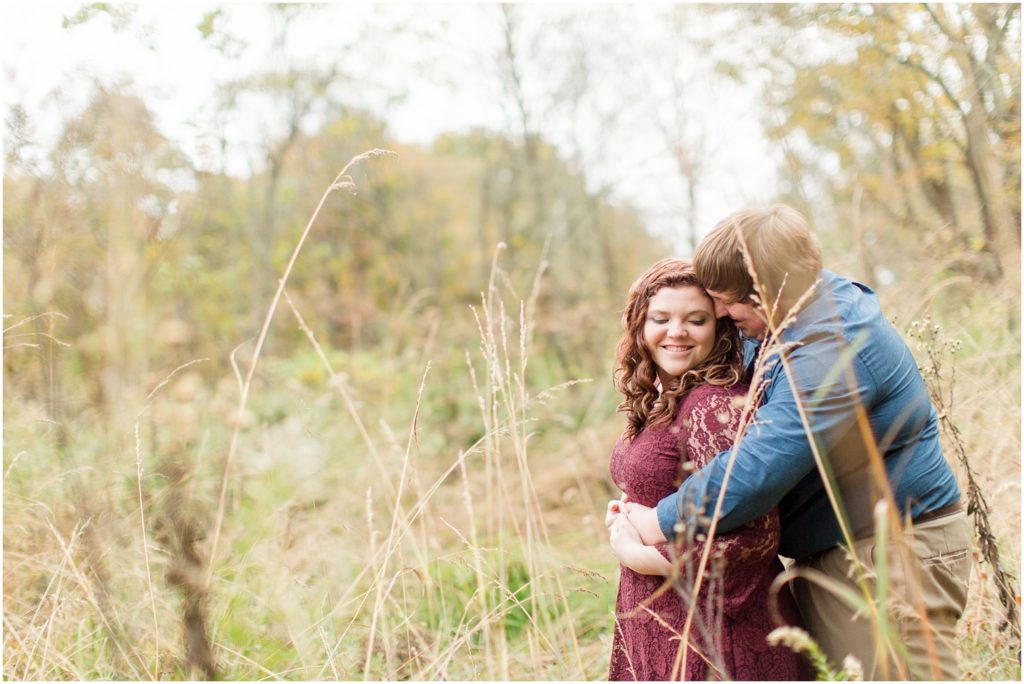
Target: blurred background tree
[(576, 147), (901, 128)]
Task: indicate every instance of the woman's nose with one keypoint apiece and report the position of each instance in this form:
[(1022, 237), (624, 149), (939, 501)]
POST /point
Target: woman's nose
[(677, 330)]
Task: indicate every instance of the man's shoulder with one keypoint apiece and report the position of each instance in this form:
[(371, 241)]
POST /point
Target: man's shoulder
[(839, 290), (840, 307), (846, 325)]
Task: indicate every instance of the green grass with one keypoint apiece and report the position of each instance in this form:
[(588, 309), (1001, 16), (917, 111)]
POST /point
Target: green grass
[(301, 583)]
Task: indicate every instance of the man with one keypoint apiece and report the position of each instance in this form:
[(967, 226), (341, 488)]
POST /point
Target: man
[(840, 367)]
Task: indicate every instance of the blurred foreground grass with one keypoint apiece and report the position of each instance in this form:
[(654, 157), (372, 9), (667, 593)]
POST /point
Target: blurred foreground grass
[(462, 538)]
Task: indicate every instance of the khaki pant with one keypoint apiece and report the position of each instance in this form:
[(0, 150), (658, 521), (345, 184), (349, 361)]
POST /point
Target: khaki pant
[(931, 576)]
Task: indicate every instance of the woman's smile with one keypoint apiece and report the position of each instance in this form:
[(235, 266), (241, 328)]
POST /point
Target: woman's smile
[(679, 332)]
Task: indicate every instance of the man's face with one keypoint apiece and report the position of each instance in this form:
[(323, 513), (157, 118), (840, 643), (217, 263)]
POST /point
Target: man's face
[(748, 317)]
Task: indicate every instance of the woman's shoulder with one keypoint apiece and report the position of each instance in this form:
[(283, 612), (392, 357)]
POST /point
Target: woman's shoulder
[(710, 397), (714, 393)]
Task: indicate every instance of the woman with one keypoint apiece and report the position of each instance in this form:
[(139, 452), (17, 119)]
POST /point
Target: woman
[(680, 368)]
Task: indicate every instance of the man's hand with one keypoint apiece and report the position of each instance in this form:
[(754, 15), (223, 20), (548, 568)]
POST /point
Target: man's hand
[(645, 520), (631, 552)]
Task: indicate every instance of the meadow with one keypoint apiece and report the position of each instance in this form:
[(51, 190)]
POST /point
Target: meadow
[(427, 509), (261, 424)]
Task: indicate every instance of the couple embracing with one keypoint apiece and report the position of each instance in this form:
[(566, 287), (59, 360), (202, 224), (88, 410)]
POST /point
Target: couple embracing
[(841, 429)]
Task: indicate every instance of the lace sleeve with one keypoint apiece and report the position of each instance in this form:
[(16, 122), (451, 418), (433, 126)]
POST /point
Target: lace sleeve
[(710, 422)]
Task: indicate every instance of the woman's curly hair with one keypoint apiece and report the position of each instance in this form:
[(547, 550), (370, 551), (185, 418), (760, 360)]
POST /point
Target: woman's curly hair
[(635, 371)]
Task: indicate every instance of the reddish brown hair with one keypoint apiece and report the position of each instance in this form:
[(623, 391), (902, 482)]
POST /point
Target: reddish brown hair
[(635, 370)]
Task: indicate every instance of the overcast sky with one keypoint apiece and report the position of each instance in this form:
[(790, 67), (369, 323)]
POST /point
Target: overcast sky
[(425, 69)]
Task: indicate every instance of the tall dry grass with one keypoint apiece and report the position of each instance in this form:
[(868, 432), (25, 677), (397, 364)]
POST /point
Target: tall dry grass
[(236, 568), (871, 599), (316, 518)]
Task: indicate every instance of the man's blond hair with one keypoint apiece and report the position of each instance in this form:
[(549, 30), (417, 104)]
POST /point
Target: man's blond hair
[(784, 252)]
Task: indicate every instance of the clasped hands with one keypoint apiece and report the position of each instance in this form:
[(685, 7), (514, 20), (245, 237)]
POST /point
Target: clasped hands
[(633, 530)]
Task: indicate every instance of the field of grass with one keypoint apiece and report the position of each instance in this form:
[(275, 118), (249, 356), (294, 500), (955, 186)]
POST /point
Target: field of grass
[(431, 509), (389, 518)]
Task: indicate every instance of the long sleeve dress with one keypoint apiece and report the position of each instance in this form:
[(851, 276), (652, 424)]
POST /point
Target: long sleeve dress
[(732, 619)]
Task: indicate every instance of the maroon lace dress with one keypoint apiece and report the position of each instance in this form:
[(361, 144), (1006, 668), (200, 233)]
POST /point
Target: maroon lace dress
[(727, 636)]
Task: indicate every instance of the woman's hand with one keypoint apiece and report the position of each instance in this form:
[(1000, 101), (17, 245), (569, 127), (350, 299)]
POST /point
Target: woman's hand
[(624, 538), (645, 521), (616, 507), (629, 548)]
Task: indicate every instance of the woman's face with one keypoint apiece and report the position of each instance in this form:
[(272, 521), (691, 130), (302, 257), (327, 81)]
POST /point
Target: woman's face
[(679, 331)]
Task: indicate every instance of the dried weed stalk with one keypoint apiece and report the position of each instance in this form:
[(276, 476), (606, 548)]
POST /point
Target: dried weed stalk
[(341, 182), (938, 349)]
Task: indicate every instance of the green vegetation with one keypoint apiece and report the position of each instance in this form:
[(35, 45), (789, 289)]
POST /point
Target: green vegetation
[(420, 472)]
